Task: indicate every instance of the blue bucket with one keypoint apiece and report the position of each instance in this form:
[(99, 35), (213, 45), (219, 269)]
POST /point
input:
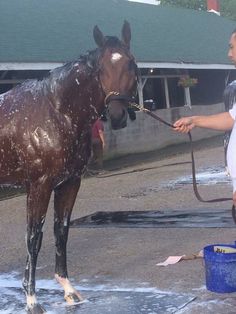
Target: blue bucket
[(220, 268)]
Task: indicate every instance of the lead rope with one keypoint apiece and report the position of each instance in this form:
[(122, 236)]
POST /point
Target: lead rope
[(195, 189)]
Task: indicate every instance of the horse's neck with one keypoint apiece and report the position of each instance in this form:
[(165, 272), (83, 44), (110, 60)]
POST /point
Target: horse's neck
[(76, 92)]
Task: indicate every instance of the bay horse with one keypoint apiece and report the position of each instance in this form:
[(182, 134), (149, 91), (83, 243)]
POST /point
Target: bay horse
[(45, 141)]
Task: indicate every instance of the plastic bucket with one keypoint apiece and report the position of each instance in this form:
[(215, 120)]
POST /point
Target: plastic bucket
[(220, 268)]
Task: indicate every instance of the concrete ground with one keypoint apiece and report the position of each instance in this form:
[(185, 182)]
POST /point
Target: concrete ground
[(127, 257)]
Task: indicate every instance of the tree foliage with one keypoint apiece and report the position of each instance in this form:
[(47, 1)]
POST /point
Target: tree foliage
[(227, 7), (189, 4)]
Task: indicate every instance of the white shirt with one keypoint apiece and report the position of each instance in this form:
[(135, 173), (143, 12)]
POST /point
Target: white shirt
[(231, 151)]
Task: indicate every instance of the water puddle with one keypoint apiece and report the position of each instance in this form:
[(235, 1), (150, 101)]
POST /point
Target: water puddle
[(99, 299), (157, 219), (208, 176)]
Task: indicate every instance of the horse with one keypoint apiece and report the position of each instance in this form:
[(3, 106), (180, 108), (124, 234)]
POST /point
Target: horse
[(45, 141)]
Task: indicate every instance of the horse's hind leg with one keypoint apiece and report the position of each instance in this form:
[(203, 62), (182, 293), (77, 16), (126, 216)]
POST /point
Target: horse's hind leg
[(38, 196), (65, 196)]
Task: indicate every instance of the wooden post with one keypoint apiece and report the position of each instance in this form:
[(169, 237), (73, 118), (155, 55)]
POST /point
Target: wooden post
[(167, 93), (140, 87), (187, 97)]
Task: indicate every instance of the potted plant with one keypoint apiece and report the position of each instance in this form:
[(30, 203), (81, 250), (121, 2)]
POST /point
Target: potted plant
[(187, 81)]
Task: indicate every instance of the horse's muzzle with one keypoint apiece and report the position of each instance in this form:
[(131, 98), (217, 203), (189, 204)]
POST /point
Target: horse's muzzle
[(117, 105), (118, 120)]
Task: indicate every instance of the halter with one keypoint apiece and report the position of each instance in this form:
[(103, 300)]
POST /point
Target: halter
[(117, 96)]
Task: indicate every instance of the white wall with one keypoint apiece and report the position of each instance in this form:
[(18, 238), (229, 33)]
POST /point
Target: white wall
[(147, 134)]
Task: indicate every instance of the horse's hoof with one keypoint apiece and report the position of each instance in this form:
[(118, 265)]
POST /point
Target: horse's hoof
[(36, 309), (73, 298)]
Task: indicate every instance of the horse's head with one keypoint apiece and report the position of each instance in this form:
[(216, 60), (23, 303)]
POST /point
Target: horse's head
[(117, 74)]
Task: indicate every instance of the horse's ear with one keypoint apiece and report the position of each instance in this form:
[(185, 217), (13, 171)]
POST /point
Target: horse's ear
[(98, 36), (126, 33)]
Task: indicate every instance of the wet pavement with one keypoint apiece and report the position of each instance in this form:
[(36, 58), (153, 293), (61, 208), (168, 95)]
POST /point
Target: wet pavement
[(156, 219), (98, 300), (126, 220)]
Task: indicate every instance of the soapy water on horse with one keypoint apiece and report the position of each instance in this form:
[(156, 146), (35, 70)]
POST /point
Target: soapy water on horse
[(45, 141)]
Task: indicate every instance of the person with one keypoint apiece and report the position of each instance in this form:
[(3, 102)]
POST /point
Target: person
[(224, 121), (98, 144)]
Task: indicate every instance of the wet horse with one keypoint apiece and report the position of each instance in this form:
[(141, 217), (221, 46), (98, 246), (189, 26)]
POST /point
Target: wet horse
[(45, 141)]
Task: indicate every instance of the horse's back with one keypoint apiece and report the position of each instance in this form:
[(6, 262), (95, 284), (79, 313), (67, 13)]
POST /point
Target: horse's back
[(24, 128), (35, 138)]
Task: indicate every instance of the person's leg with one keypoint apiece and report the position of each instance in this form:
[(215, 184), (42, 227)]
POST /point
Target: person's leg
[(100, 156), (97, 154)]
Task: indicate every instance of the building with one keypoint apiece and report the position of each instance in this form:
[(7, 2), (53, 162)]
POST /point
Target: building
[(168, 43)]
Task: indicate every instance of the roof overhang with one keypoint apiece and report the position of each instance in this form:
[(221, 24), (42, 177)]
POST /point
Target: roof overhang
[(172, 65), (17, 66)]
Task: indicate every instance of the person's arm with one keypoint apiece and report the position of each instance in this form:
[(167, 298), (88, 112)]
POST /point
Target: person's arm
[(221, 121), (101, 134), (234, 198)]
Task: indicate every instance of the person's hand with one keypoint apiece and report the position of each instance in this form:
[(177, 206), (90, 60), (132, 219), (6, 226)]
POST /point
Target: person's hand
[(234, 198), (184, 125)]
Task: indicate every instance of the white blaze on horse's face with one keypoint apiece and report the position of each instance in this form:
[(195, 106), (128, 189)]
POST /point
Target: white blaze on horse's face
[(115, 57), (116, 74)]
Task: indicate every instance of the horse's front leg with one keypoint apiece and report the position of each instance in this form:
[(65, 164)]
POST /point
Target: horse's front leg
[(65, 196), (38, 196)]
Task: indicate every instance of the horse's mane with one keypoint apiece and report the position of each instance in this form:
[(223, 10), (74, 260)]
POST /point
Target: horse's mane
[(112, 41)]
